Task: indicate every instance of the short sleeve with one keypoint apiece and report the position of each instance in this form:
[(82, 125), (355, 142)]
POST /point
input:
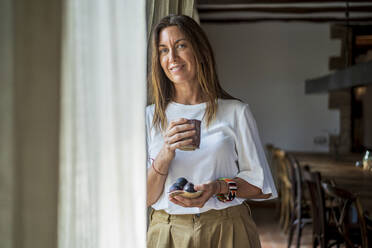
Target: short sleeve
[(253, 166)]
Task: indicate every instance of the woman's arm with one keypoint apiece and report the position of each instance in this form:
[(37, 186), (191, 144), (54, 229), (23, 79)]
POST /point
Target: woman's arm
[(246, 190), (177, 135), (156, 177)]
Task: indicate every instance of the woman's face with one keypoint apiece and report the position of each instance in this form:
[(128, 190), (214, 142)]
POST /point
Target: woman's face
[(176, 56)]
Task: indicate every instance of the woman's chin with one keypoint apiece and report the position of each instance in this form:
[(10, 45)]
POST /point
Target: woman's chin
[(178, 80)]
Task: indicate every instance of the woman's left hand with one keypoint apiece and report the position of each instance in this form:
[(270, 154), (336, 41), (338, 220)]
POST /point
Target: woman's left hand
[(209, 189)]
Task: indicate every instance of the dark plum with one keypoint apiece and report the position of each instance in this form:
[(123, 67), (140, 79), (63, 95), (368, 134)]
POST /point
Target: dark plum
[(175, 187), (189, 187), (181, 181)]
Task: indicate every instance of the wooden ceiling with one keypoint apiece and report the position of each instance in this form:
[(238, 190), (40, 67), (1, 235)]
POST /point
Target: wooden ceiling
[(276, 1), (334, 11)]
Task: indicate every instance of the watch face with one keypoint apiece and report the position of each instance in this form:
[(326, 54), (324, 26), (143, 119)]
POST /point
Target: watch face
[(232, 185)]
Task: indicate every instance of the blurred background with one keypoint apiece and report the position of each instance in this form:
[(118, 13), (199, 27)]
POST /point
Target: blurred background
[(73, 78)]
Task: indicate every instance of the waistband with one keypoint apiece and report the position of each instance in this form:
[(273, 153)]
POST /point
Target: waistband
[(162, 216)]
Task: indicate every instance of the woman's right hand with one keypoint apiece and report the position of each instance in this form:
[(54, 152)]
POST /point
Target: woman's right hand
[(178, 134)]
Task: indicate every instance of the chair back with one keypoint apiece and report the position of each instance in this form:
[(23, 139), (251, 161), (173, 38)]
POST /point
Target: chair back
[(312, 180), (283, 169), (284, 186), (297, 185), (344, 205), (300, 215)]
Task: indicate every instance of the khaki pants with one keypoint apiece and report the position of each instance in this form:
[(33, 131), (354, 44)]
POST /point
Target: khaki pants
[(232, 227)]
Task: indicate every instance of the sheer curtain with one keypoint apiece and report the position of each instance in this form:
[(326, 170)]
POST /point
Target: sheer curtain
[(102, 199)]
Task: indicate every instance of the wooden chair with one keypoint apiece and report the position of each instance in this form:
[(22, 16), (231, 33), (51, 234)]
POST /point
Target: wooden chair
[(284, 188), (345, 204), (368, 221), (325, 233), (300, 214)]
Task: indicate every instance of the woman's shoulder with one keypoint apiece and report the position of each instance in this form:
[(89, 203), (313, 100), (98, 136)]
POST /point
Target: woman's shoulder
[(150, 113), (232, 105), (150, 109)]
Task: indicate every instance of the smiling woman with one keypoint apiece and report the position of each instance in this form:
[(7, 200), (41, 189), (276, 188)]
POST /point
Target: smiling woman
[(176, 56), (228, 167)]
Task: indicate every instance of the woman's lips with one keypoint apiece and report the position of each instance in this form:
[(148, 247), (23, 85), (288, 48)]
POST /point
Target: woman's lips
[(176, 68)]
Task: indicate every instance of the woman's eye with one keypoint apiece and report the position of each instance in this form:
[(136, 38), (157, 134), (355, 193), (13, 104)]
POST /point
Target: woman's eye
[(181, 46), (163, 50)]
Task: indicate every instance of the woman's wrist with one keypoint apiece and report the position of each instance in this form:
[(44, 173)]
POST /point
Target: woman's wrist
[(156, 170), (221, 187), (161, 163), (166, 154), (228, 189), (224, 187), (217, 187)]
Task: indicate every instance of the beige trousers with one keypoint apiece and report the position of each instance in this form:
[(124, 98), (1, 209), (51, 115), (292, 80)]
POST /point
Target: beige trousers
[(232, 227)]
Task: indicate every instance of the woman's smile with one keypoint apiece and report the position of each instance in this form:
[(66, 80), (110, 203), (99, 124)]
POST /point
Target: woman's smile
[(176, 68), (176, 56)]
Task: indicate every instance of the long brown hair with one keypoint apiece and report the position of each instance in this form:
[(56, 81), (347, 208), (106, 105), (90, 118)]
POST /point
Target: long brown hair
[(162, 89)]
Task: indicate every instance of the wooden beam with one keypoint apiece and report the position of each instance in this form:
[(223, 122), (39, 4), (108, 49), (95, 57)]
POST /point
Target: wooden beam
[(356, 75), (363, 40), (206, 8), (353, 20)]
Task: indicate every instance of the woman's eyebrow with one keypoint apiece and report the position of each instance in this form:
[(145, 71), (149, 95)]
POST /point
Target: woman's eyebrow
[(162, 45), (180, 40)]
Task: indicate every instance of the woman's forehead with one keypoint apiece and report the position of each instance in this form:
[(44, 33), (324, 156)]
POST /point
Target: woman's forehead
[(171, 34)]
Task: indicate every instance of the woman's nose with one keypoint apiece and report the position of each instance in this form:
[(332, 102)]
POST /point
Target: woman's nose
[(172, 55)]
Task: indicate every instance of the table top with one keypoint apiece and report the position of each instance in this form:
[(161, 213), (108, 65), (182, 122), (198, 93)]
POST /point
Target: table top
[(343, 172)]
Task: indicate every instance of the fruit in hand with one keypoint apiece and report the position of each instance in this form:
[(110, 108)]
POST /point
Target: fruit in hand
[(181, 181), (189, 187), (184, 188), (175, 187)]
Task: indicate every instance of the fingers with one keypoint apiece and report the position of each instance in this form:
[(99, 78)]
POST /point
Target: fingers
[(173, 146), (206, 187), (196, 202), (176, 122), (181, 144), (179, 128), (188, 203), (181, 136), (177, 134), (175, 201), (201, 187)]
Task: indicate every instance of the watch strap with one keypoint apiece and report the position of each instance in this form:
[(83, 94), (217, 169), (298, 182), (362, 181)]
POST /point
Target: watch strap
[(231, 194)]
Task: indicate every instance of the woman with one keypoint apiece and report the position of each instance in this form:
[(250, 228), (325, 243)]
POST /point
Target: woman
[(230, 165)]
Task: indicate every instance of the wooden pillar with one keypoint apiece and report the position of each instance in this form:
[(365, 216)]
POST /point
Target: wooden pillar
[(341, 99)]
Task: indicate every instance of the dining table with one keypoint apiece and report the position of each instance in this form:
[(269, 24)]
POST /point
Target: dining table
[(344, 170)]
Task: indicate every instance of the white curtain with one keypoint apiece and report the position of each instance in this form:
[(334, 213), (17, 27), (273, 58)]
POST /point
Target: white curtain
[(102, 200)]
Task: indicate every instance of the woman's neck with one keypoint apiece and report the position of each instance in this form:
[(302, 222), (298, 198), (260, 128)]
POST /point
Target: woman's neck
[(188, 94)]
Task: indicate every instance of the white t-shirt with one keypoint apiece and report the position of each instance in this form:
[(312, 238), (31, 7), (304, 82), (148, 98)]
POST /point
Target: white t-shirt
[(230, 147)]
